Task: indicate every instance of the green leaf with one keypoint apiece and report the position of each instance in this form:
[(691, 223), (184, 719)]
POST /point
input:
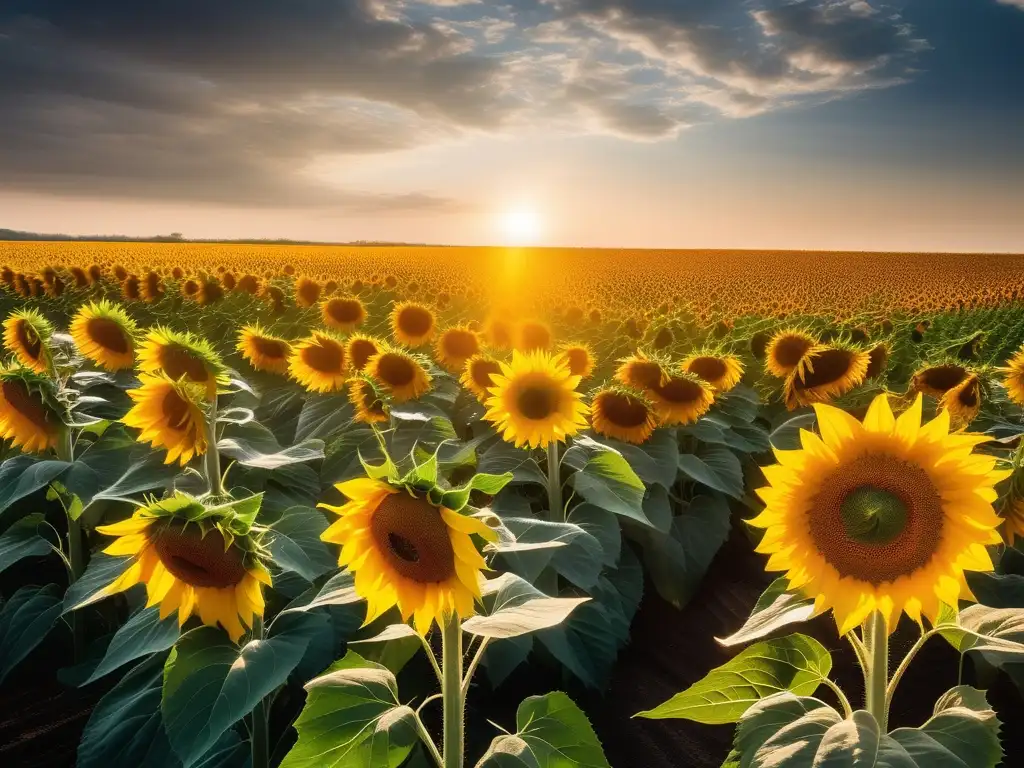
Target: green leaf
[(145, 471), (253, 445), (963, 733), (100, 572), (603, 526), (572, 551), (25, 620), (529, 616), (339, 590), (210, 683), (508, 752), (788, 730), (997, 632), (353, 719), (607, 481), (558, 733), (786, 437), (795, 663), (23, 475), (143, 634), (100, 464), (716, 467), (21, 540), (295, 543), (125, 727), (322, 416), (457, 498), (777, 607), (502, 458)]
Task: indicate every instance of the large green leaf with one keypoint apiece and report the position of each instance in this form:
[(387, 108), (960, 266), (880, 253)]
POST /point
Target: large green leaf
[(125, 727), (145, 471), (22, 540), (1005, 587), (607, 481), (558, 733), (353, 719), (529, 616), (503, 457), (210, 683), (25, 620), (996, 632), (338, 590), (253, 445), (295, 543), (508, 751), (777, 607), (23, 475), (789, 730), (101, 571), (323, 416), (102, 463), (716, 467), (656, 461), (144, 633), (603, 526), (795, 663), (572, 551)]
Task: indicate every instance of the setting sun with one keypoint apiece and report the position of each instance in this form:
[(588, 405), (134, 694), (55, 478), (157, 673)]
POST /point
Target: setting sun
[(520, 226)]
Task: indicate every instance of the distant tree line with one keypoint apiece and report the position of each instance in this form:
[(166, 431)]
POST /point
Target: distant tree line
[(178, 237)]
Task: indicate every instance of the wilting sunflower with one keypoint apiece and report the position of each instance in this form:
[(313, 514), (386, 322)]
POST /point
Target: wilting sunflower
[(579, 357), (963, 402), (534, 400), (477, 375), (936, 380), (1014, 377), (263, 351), (205, 567), (882, 515), (403, 375), (722, 372), (318, 362), (642, 372), (181, 354), (105, 334), (28, 416), (412, 324), (623, 413), (824, 373), (369, 401), (27, 334), (170, 414), (359, 348), (681, 399), (343, 314), (454, 347), (407, 552), (533, 335), (785, 351)]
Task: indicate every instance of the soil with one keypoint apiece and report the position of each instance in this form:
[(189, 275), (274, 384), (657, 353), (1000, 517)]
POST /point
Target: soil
[(41, 720)]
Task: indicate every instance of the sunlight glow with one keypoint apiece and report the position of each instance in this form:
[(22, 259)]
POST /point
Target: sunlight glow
[(520, 226)]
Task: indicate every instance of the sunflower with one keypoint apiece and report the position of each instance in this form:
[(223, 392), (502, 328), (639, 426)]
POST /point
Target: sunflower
[(359, 348), (1014, 377), (318, 362), (579, 357), (454, 347), (181, 355), (27, 334), (306, 292), (622, 413), (477, 375), (936, 380), (722, 372), (785, 351), (877, 359), (105, 334), (27, 415), (642, 372), (534, 400), (152, 288), (823, 373), (963, 402), (205, 567), (412, 324), (369, 402), (402, 374), (170, 415), (681, 399), (882, 515), (533, 335), (407, 553), (499, 333), (343, 314), (1013, 520), (263, 351)]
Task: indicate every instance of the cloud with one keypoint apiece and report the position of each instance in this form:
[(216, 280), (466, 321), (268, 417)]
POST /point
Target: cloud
[(237, 101), (1016, 3)]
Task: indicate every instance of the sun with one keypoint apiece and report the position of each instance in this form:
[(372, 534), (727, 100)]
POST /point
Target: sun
[(520, 226)]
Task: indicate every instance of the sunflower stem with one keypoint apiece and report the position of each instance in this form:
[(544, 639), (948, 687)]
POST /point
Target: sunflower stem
[(554, 484), (451, 689), (76, 550), (876, 675), (211, 465), (260, 738)]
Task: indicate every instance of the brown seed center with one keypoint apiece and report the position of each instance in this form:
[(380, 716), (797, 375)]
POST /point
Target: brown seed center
[(29, 341), (177, 362), (361, 350), (175, 410), (680, 390), (623, 410), (199, 560), (108, 334), (829, 365), (708, 368), (345, 310), (482, 370), (789, 349), (537, 402), (460, 344), (271, 348), (395, 370), (27, 403), (324, 356), (415, 321), (413, 538)]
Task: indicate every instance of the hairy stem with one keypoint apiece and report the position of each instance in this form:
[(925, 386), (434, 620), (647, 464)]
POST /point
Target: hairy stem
[(211, 465), (260, 740), (451, 689), (76, 550), (876, 675), (554, 484)]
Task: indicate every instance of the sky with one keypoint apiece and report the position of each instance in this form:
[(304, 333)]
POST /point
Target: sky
[(811, 124)]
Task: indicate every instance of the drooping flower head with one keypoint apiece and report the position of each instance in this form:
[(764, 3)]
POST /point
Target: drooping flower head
[(722, 372), (105, 334), (318, 362), (579, 357), (623, 413), (402, 375), (823, 373), (882, 515), (182, 354), (194, 559), (27, 335), (264, 351), (29, 415), (785, 350), (369, 400), (170, 414)]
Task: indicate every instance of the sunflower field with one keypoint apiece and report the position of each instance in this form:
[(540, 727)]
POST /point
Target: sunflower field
[(324, 506)]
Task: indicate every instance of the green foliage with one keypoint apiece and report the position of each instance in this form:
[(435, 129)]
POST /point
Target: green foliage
[(25, 620)]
